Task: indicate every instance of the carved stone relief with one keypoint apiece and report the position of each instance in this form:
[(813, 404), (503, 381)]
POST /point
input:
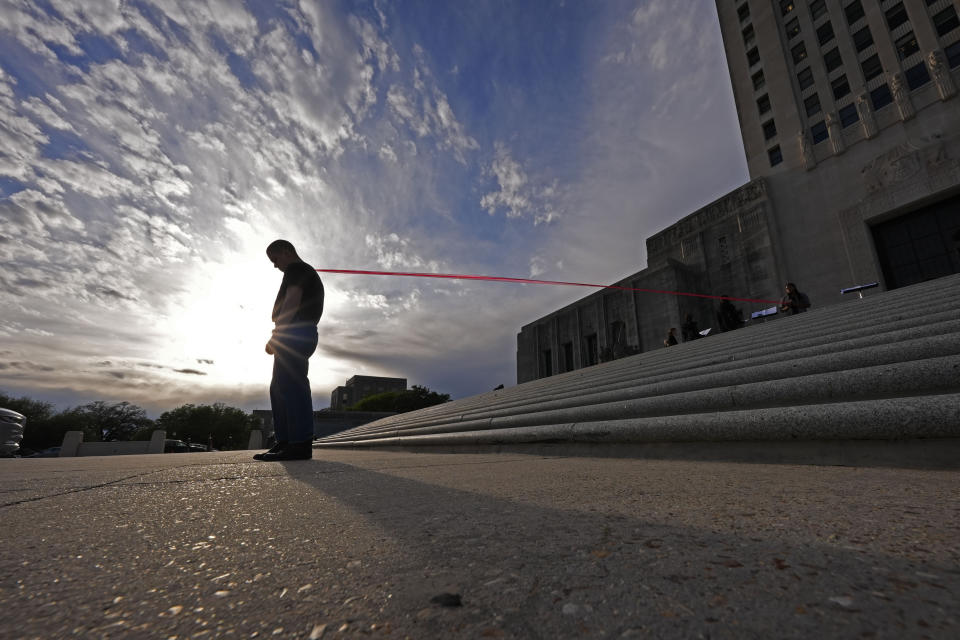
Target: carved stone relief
[(670, 238), (903, 163), (941, 74), (901, 96), (806, 150), (836, 137), (865, 111), (899, 164)]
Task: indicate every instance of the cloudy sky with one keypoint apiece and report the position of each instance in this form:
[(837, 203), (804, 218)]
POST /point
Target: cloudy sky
[(151, 149)]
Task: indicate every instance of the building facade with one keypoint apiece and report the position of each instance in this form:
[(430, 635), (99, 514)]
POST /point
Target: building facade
[(851, 129), (359, 387), (849, 109)]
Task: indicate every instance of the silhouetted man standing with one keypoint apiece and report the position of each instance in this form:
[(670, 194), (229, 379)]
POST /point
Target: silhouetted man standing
[(296, 312)]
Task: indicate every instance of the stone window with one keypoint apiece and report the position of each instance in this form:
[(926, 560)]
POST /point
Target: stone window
[(946, 21), (819, 132), (590, 350), (849, 115), (812, 105), (618, 333), (793, 28), (758, 80), (786, 6), (743, 11), (763, 104), (724, 250), (805, 78), (750, 219), (749, 36), (906, 45), (832, 59), (775, 156), (840, 87), (753, 56), (799, 53), (953, 54), (853, 11), (817, 9), (881, 97), (917, 75), (825, 33), (862, 39), (896, 16), (769, 129), (871, 67)]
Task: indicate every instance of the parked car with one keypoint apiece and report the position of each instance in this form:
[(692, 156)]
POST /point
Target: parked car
[(175, 446), (179, 446), (11, 432)]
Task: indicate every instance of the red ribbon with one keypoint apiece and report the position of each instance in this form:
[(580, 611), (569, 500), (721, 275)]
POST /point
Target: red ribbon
[(457, 276)]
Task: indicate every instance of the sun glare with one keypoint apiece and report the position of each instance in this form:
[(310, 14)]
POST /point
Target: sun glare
[(223, 322), (221, 326)]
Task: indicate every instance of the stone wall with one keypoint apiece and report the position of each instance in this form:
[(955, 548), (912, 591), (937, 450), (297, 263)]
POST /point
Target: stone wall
[(725, 248)]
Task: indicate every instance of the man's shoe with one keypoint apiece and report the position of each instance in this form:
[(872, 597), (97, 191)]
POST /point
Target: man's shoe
[(292, 451), (274, 449)]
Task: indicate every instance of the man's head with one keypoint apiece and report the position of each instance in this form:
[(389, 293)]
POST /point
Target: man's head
[(282, 254), (790, 288)]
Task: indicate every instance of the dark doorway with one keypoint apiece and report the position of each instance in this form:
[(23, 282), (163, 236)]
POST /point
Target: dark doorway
[(921, 245), (590, 350), (546, 364)]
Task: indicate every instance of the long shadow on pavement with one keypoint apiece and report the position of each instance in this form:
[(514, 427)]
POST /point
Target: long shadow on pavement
[(528, 571)]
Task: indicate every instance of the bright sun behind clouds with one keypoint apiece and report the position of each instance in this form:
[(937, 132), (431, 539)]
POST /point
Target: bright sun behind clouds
[(223, 321)]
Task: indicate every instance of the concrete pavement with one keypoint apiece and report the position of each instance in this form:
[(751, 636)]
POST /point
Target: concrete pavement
[(364, 543)]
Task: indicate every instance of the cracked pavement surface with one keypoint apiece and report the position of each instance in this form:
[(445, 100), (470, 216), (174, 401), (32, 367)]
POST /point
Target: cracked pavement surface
[(366, 543)]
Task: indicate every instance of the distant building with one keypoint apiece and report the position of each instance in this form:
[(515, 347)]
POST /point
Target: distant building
[(850, 120), (359, 387)]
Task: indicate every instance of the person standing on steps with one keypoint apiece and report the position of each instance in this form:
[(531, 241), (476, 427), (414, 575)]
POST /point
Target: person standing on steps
[(296, 312), (689, 328), (794, 302)]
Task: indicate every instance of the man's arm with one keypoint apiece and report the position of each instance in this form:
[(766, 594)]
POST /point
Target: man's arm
[(291, 302), (288, 309)]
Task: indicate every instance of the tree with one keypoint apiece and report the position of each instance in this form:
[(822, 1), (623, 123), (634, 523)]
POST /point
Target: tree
[(98, 420), (416, 397), (108, 421), (34, 410), (228, 427), (44, 428)]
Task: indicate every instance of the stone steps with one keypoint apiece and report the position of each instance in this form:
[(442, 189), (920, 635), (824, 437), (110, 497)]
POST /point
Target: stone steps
[(727, 354), (886, 366)]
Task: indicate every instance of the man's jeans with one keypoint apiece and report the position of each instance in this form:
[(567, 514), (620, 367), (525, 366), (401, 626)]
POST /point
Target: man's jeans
[(290, 389)]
